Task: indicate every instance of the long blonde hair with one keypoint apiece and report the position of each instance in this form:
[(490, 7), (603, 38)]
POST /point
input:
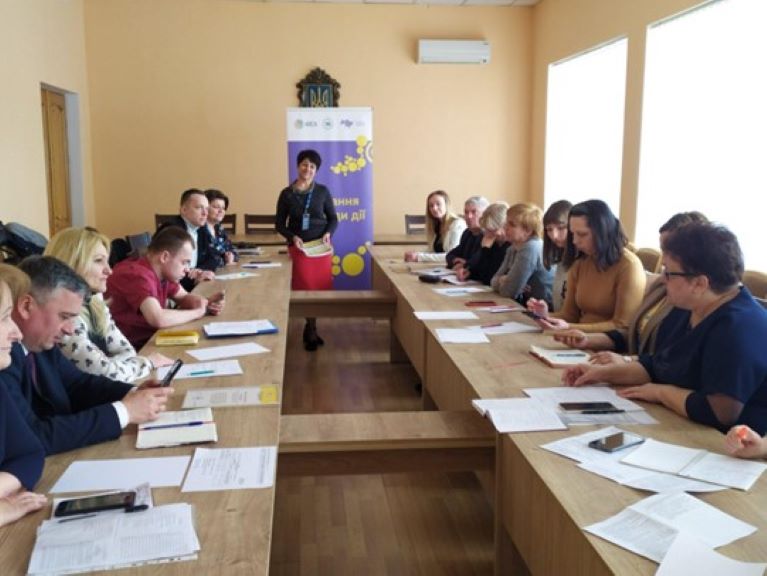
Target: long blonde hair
[(16, 280), (74, 247), (450, 217)]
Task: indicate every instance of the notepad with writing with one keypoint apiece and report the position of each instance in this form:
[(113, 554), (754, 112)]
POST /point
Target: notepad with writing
[(244, 328), (698, 464), (559, 357), (176, 428)]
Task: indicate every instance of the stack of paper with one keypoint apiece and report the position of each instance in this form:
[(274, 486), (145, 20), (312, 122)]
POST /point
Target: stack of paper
[(106, 542), (698, 464), (461, 336), (631, 412), (92, 475), (648, 528), (461, 291), (560, 357), (246, 328), (231, 469), (177, 428), (519, 415), (239, 396)]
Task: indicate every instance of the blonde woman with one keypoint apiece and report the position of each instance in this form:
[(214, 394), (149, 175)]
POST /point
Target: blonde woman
[(97, 346), (443, 229), (522, 274), (493, 246)]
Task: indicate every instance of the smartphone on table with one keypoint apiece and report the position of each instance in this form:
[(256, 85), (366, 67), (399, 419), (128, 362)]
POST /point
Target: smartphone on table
[(124, 500), (616, 442), (172, 372)]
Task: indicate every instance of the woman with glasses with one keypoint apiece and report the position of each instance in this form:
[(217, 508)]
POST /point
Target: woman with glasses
[(639, 337), (605, 280), (709, 365)]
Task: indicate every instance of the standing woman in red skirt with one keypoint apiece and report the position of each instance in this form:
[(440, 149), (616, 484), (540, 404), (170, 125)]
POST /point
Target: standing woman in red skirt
[(305, 212)]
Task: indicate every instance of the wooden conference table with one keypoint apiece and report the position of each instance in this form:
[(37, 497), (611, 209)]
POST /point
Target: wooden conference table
[(274, 239), (234, 527), (541, 500)]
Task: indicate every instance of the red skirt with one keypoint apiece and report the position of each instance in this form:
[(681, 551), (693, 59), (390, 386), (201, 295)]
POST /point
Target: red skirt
[(310, 272)]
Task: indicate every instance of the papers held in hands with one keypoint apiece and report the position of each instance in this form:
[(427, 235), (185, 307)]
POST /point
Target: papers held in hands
[(559, 358), (245, 328), (317, 249), (176, 428)]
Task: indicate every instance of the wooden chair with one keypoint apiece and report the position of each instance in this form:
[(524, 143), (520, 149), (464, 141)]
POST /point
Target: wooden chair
[(756, 282), (415, 224), (260, 224), (229, 224), (651, 259), (160, 219)]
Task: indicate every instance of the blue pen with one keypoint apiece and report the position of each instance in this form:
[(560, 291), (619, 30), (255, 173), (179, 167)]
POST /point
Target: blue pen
[(179, 425), (570, 354), (202, 372)]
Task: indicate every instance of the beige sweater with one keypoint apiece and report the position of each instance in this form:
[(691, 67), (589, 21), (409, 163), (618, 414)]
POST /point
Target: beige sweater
[(598, 301)]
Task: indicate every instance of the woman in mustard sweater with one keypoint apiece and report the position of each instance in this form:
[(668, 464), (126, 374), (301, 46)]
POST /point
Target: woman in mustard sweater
[(605, 281)]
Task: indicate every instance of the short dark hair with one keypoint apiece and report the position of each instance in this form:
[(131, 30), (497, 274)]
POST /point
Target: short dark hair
[(682, 219), (707, 250), (606, 231), (312, 155), (556, 214), (47, 274), (170, 239), (187, 194), (213, 194)]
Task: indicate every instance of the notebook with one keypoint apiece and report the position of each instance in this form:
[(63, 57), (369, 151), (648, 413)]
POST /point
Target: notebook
[(559, 357), (176, 428)]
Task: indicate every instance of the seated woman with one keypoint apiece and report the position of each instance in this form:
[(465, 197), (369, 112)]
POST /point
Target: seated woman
[(709, 363), (469, 244), (554, 244), (218, 204), (96, 344), (21, 455), (493, 246), (743, 442), (642, 331), (605, 282), (443, 229), (522, 274)]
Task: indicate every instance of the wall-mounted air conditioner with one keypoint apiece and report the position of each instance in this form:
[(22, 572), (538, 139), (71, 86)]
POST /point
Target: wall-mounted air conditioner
[(453, 52)]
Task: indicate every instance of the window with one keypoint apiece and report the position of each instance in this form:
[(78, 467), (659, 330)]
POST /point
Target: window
[(584, 126), (705, 122)]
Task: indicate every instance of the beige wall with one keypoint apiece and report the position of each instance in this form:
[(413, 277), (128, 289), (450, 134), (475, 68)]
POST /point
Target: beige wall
[(566, 27), (192, 93), (42, 41)]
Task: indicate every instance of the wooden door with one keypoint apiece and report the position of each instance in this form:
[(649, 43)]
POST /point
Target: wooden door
[(56, 160)]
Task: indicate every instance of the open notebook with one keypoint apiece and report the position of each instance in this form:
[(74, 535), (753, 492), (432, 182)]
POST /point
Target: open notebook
[(176, 428)]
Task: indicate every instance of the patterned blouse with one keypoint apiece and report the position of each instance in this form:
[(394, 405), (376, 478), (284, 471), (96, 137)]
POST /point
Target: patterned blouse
[(108, 355), (221, 243)]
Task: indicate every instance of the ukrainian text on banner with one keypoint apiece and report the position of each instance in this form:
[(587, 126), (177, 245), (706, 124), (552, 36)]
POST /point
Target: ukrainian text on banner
[(344, 139)]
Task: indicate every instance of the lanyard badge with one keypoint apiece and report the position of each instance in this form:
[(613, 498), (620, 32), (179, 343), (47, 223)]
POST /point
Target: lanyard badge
[(306, 220)]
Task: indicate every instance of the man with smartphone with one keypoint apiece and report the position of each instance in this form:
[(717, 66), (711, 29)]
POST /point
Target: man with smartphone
[(65, 407)]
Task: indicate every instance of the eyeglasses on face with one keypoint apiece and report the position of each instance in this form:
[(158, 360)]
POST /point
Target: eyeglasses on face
[(668, 275)]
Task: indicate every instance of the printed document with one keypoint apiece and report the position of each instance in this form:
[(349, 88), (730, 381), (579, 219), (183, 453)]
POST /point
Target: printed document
[(204, 369), (460, 291), (461, 336), (244, 328), (505, 328), (524, 415), (231, 469), (688, 555), (445, 315), (230, 351), (240, 396)]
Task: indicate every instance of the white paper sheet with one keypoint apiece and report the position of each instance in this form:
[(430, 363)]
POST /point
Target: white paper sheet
[(460, 291), (453, 279), (243, 328), (231, 469), (204, 369), (230, 351), (260, 265), (650, 526), (524, 415), (688, 555), (239, 396), (445, 315), (117, 540), (235, 276), (92, 475), (577, 447), (438, 271), (555, 395), (614, 419), (505, 328), (461, 336), (646, 479)]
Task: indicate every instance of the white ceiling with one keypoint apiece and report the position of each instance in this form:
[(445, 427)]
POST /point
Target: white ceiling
[(421, 2)]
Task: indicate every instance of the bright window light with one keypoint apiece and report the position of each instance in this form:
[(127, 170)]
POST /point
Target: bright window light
[(704, 126), (584, 126)]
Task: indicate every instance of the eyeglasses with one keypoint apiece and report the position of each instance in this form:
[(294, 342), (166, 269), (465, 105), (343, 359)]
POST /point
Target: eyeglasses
[(667, 275)]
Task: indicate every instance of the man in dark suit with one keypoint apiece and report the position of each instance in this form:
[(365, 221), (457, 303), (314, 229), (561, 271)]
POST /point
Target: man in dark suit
[(64, 407), (193, 217)]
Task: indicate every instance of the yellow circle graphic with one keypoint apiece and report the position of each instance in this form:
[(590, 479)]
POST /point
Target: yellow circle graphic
[(336, 270), (353, 264), (361, 250), (336, 259)]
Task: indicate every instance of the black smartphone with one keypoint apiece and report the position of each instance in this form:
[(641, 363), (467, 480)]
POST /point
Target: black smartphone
[(172, 372), (533, 315), (430, 278), (615, 442), (125, 500), (581, 406)]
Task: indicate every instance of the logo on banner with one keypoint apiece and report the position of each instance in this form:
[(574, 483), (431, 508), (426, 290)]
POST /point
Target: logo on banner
[(351, 164)]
